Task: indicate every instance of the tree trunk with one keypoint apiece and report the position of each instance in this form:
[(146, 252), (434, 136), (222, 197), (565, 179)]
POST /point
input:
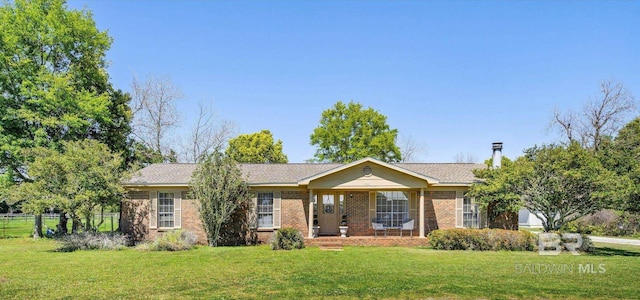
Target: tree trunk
[(76, 225), (119, 219), (101, 218), (62, 224), (87, 226), (37, 230)]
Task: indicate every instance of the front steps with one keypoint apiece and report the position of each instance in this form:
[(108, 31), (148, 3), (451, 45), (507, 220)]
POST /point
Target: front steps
[(330, 245)]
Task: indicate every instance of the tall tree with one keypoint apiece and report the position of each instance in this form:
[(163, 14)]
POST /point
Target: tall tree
[(53, 82), (258, 147), (410, 149), (602, 116), (218, 185), (465, 158), (348, 132), (207, 134), (115, 131), (622, 156), (154, 113)]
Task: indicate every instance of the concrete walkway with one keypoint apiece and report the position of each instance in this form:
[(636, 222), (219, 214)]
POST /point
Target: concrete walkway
[(610, 240)]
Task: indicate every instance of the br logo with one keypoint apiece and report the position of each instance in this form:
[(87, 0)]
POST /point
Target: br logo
[(552, 243)]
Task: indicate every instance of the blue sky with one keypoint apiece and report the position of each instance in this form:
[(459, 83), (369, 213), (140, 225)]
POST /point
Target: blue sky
[(455, 75)]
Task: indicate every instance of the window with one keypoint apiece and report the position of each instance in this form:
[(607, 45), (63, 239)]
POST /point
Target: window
[(470, 217), (328, 204), (392, 208), (165, 210), (315, 206), (265, 210)]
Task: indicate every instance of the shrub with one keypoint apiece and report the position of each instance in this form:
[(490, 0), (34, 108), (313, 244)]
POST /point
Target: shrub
[(482, 239), (92, 241), (606, 222), (175, 240), (586, 246), (287, 239)]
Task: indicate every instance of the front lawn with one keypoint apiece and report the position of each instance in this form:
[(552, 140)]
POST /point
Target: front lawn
[(31, 269)]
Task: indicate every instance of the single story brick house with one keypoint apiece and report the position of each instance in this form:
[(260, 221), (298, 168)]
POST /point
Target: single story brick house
[(366, 193)]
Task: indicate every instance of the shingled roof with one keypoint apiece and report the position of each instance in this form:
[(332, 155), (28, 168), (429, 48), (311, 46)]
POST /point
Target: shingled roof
[(254, 174)]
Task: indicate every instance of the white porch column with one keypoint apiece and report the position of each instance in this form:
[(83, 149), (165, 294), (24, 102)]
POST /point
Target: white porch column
[(310, 235), (422, 213)]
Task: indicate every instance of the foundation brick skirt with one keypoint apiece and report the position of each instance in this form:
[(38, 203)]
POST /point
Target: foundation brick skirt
[(369, 241)]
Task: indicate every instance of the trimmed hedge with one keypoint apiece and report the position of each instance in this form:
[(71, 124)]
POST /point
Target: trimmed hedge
[(287, 239), (482, 239)]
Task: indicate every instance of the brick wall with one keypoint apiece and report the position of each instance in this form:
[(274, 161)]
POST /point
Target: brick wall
[(134, 218), (439, 213), (357, 209), (440, 210), (388, 241), (295, 210), (504, 220), (191, 220)]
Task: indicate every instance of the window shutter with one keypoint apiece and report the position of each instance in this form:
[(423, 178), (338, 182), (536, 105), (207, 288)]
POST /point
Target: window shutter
[(459, 205), (277, 204), (413, 206), (372, 207), (153, 210), (253, 212), (177, 211)]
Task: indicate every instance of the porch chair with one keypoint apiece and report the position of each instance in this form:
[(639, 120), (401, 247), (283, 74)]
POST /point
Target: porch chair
[(378, 226), (407, 226)]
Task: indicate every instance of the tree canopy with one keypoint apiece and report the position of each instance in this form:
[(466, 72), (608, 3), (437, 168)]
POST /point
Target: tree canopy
[(82, 177), (53, 82), (622, 156), (258, 147), (348, 132), (558, 184)]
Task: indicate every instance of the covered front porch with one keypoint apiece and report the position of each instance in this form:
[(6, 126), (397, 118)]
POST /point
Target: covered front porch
[(406, 213), (369, 198)]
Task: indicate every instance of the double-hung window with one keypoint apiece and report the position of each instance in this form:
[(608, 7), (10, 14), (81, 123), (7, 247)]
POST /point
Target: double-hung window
[(470, 216), (265, 210), (165, 210), (392, 208)]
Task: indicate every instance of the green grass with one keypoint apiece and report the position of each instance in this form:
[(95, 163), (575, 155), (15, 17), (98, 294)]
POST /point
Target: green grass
[(23, 226), (32, 269)]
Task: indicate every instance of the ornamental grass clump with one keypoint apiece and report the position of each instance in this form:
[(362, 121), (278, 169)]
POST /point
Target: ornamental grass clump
[(287, 239), (175, 240), (482, 240), (92, 241)]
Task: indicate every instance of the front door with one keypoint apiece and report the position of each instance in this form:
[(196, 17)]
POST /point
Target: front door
[(328, 218)]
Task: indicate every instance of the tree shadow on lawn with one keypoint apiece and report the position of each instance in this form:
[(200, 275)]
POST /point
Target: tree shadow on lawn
[(607, 251)]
